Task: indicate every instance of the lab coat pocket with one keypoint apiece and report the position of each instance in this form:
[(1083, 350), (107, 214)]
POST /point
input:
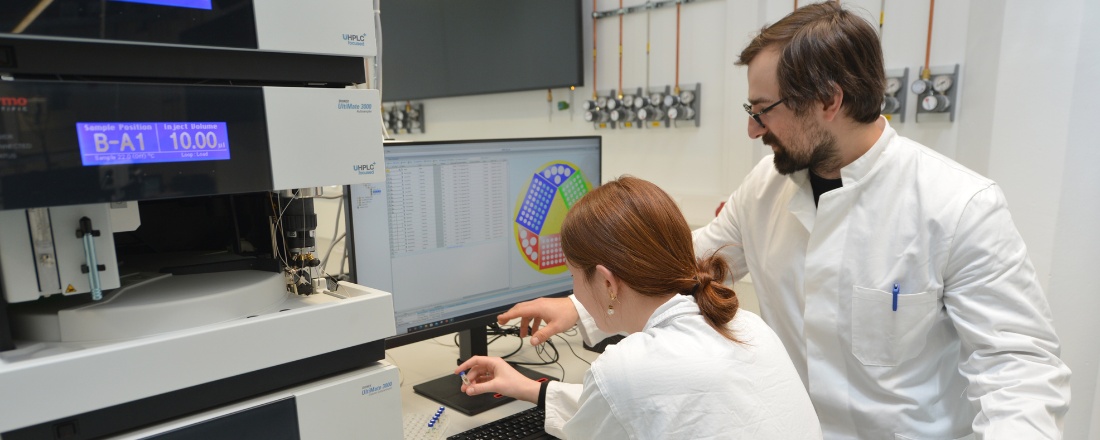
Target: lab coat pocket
[(882, 336)]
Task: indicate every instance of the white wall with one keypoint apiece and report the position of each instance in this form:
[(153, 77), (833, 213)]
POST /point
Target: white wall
[(1027, 103), (1032, 125), (1074, 191)]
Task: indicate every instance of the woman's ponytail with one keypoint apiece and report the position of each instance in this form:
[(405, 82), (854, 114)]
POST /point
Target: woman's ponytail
[(717, 302)]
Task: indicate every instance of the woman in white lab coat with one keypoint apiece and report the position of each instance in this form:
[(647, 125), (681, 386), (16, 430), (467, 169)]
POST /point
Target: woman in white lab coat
[(693, 365)]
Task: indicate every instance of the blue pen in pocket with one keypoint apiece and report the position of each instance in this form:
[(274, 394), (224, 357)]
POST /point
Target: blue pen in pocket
[(896, 289)]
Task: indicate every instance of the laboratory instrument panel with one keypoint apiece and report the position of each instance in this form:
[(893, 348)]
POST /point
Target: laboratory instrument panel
[(405, 118), (894, 99), (938, 92), (65, 146), (638, 108)]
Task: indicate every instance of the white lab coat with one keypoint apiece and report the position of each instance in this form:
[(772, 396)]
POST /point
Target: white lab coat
[(680, 379), (971, 347)]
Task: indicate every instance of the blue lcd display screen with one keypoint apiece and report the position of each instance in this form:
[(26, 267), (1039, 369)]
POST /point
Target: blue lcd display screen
[(120, 143), (194, 4)]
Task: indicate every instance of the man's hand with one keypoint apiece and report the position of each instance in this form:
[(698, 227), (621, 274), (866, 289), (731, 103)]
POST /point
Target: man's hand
[(546, 316)]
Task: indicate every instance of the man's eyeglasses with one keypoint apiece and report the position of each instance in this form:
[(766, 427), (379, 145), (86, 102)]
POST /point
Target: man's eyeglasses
[(756, 116)]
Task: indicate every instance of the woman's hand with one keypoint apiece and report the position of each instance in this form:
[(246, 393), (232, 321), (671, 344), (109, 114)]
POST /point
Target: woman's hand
[(558, 314), (494, 375)]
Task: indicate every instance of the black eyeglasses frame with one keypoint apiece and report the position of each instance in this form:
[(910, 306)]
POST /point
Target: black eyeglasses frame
[(756, 116)]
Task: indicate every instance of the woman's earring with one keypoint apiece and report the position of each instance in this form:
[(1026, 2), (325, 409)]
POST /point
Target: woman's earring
[(611, 306)]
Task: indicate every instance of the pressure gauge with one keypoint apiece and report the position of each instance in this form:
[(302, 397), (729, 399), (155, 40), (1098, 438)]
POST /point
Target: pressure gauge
[(640, 102), (628, 101), (589, 105), (892, 85), (399, 124), (655, 98), (935, 103), (890, 105), (622, 115), (920, 86), (602, 102), (941, 83), (648, 114), (595, 116), (414, 113), (671, 100), (687, 96), (613, 103), (680, 112)]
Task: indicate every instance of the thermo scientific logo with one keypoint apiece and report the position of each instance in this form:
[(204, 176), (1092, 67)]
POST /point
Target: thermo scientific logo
[(13, 103), (356, 39), (365, 169)]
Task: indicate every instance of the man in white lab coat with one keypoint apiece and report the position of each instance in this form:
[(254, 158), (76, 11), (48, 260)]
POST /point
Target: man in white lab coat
[(893, 275)]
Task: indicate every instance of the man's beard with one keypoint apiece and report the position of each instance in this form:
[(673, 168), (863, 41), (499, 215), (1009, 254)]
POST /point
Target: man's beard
[(819, 159)]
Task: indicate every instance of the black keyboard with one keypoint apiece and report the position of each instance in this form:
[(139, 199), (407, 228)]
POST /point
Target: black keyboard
[(524, 425)]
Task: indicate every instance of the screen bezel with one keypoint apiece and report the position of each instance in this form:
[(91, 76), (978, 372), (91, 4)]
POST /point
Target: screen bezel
[(469, 321)]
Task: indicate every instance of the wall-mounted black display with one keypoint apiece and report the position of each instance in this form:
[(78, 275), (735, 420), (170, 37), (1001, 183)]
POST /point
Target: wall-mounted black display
[(439, 48)]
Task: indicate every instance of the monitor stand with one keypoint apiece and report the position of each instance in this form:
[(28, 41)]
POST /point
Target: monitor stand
[(447, 390)]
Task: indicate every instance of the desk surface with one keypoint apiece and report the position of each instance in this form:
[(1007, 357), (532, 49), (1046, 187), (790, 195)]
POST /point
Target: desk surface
[(436, 357)]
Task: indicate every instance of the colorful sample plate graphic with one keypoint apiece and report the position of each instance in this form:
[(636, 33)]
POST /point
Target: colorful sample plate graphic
[(542, 205)]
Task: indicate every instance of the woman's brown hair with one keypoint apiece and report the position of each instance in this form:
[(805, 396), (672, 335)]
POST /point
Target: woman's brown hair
[(635, 230)]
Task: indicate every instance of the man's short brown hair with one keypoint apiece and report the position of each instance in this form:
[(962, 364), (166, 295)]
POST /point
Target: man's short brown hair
[(823, 47)]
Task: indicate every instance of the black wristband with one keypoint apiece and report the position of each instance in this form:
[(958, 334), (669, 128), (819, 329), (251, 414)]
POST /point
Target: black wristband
[(542, 394)]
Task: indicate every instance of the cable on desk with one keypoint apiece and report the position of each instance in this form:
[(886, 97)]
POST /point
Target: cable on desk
[(499, 331), (571, 350), (496, 329), (513, 353), (540, 350), (549, 360), (556, 358)]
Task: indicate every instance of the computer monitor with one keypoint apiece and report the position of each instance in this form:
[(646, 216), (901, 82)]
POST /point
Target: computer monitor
[(463, 230)]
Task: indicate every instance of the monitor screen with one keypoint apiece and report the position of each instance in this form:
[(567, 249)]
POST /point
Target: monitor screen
[(440, 48), (115, 143), (462, 230)]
